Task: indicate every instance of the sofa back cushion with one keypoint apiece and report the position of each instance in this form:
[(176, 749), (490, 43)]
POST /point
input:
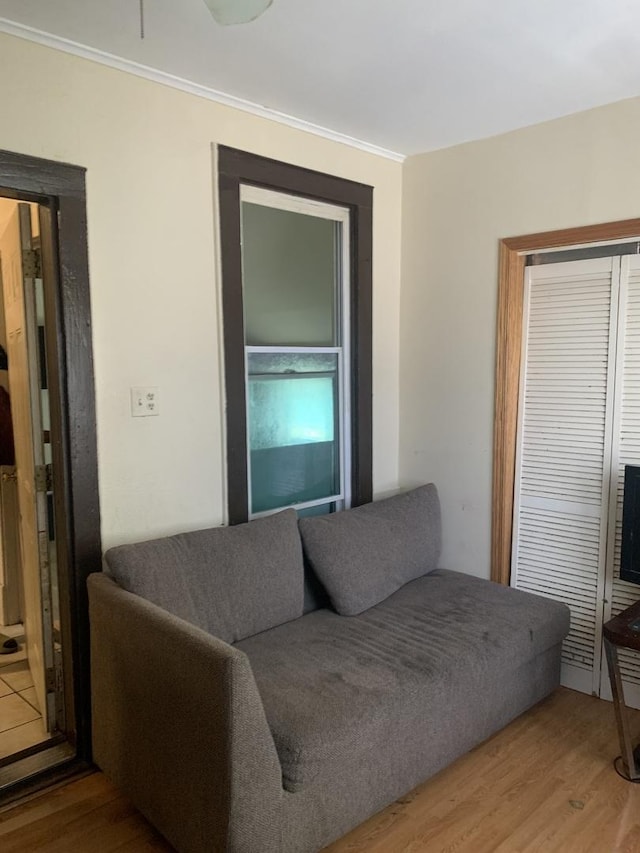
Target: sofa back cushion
[(230, 581), (363, 555)]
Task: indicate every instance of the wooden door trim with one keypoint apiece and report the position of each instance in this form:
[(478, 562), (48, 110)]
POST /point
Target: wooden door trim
[(508, 352), (60, 189)]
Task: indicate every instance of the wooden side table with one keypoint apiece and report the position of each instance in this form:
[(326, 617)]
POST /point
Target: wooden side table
[(623, 631)]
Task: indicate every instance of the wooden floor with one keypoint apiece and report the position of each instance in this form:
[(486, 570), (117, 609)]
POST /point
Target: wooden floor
[(544, 784)]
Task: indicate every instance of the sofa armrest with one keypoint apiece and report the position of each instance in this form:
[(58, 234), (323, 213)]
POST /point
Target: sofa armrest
[(179, 726)]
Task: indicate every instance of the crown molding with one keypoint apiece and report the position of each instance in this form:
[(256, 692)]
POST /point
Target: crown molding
[(130, 67)]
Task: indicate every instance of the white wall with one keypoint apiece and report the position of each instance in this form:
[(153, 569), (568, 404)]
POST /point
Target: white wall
[(154, 288), (457, 204)]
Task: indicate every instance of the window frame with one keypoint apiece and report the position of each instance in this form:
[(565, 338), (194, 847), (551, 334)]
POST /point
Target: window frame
[(235, 169)]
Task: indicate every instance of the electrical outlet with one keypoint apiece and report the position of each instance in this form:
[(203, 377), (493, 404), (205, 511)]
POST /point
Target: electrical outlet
[(144, 402)]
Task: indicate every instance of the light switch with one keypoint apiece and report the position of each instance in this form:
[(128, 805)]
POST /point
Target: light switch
[(144, 402)]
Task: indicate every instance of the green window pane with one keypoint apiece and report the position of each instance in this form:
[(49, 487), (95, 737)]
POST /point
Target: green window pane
[(320, 509), (288, 277), (294, 451)]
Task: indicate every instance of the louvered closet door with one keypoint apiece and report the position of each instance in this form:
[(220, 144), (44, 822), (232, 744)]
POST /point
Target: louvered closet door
[(564, 440), (625, 451)]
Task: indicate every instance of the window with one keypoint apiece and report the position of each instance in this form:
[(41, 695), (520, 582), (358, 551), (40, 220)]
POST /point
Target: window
[(296, 268)]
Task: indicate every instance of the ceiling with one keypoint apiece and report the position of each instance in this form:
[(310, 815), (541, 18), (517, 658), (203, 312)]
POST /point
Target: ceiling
[(405, 75)]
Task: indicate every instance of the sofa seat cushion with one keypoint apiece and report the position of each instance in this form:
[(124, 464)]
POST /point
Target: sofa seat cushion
[(365, 554), (332, 685), (230, 581)]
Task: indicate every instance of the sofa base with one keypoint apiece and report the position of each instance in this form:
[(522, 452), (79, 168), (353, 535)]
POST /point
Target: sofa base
[(327, 810), (364, 708)]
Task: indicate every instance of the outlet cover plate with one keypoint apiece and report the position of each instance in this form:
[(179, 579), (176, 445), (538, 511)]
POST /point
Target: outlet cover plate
[(144, 401)]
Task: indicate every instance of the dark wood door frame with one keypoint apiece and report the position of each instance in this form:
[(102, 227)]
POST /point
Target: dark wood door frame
[(513, 251), (59, 189)]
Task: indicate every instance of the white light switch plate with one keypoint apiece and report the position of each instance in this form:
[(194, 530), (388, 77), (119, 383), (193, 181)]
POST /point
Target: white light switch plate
[(144, 402)]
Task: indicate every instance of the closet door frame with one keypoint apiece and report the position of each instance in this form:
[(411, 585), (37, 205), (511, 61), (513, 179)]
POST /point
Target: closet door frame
[(513, 252)]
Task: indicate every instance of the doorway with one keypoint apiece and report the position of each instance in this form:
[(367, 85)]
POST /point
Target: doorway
[(577, 429), (565, 427), (31, 682), (49, 516)]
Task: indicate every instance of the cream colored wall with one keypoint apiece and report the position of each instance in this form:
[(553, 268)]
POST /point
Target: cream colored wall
[(154, 285), (457, 204)]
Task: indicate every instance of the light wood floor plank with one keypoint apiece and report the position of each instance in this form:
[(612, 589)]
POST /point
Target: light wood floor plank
[(543, 785)]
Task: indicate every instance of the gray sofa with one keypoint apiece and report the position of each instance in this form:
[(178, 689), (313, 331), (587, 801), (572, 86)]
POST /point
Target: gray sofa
[(246, 710)]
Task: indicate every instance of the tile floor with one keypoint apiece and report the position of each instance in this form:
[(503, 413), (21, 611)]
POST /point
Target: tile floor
[(20, 720)]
